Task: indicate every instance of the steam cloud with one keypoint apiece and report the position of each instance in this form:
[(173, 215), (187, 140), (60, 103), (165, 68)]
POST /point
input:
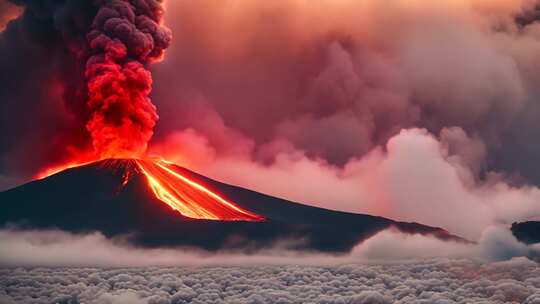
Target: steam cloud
[(420, 110)]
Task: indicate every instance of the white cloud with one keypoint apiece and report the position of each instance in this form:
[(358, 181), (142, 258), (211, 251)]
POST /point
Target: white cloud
[(391, 267), (58, 248), (416, 177)]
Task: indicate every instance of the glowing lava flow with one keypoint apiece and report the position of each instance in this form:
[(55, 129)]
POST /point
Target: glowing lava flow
[(170, 186), (188, 197)]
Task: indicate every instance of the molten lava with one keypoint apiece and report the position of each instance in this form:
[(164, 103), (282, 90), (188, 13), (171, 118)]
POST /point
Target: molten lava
[(177, 190), (188, 197)]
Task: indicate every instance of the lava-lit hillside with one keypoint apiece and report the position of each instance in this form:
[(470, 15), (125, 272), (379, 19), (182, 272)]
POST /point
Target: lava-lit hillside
[(188, 197), (156, 203)]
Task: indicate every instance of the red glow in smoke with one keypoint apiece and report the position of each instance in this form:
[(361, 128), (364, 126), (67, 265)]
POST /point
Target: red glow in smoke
[(123, 117), (125, 37)]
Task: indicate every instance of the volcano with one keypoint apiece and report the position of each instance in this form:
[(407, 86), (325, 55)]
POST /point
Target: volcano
[(527, 232), (156, 203)]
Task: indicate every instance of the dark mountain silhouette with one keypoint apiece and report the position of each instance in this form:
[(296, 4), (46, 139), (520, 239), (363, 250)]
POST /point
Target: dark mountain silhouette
[(98, 197), (527, 232)]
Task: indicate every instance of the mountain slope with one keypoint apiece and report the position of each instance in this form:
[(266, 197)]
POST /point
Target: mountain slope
[(114, 197), (527, 232)]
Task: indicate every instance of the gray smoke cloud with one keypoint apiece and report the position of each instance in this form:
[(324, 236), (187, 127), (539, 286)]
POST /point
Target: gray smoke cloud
[(337, 89)]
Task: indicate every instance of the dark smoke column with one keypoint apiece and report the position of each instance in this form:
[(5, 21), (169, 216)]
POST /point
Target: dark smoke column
[(125, 37)]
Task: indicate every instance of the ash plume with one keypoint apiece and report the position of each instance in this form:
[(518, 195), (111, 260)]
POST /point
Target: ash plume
[(125, 36)]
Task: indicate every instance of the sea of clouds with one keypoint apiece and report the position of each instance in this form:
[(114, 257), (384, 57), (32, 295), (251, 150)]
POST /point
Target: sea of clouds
[(390, 267), (441, 281)]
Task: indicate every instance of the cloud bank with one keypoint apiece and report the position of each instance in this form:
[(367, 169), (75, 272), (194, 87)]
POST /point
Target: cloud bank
[(391, 267), (429, 281), (55, 248)]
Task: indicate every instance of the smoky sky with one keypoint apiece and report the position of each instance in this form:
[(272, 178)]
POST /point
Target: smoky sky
[(333, 89), (417, 111), (58, 267), (349, 105), (42, 88), (337, 87)]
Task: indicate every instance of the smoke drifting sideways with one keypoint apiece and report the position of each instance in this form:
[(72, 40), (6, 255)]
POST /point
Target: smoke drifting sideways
[(77, 84), (420, 110)]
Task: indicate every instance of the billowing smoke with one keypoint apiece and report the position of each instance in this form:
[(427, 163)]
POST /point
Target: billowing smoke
[(125, 36)]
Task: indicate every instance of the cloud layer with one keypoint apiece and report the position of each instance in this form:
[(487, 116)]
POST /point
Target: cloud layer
[(57, 248), (430, 281), (337, 87), (390, 267)]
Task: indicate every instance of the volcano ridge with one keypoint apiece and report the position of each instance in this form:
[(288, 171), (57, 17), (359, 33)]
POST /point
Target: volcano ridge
[(95, 197)]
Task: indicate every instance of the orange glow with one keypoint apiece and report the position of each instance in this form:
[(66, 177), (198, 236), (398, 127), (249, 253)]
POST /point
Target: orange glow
[(181, 193), (10, 12), (59, 168), (188, 197)]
